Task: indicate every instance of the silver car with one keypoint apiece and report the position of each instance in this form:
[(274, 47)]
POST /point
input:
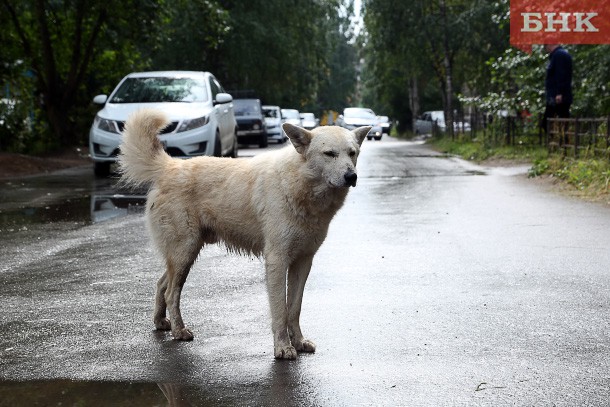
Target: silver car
[(201, 115), (291, 116), (273, 121), (354, 117)]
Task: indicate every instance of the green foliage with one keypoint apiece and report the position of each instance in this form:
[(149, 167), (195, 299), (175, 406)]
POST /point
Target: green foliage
[(517, 83), (588, 177), (413, 48), (480, 149), (60, 54), (294, 54), (58, 50)]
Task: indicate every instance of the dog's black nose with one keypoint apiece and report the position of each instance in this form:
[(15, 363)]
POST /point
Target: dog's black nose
[(350, 178)]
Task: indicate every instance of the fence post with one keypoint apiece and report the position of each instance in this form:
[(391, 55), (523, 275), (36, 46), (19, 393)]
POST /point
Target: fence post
[(576, 137), (608, 135)]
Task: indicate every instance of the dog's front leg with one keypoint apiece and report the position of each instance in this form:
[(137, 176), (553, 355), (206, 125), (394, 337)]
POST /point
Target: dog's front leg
[(297, 277), (276, 289)]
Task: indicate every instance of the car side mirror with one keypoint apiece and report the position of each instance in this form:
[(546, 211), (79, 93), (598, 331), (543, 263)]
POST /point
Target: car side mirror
[(100, 99), (223, 98)]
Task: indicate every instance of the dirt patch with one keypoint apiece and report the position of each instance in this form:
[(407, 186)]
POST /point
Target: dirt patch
[(20, 165)]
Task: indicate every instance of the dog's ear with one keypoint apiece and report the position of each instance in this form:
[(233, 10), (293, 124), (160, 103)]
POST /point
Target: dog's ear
[(360, 133), (299, 136)]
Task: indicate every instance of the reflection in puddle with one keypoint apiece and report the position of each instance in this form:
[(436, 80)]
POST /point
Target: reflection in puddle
[(104, 207), (73, 210), (78, 393), (96, 208), (63, 392)]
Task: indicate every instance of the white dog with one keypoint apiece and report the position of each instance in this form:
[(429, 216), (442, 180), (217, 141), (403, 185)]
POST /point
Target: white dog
[(278, 205)]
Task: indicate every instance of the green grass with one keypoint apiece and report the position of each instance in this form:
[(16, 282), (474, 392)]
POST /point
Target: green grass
[(589, 176), (479, 151)]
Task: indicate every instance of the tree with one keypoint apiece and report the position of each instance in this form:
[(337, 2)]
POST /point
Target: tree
[(60, 41), (288, 52), (415, 42)]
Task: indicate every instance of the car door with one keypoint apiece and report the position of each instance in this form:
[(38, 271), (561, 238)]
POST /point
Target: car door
[(224, 114)]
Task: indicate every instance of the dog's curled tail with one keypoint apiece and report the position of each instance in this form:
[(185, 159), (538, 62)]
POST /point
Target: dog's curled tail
[(142, 158)]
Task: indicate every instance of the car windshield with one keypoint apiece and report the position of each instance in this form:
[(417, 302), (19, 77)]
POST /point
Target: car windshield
[(271, 113), (360, 113), (161, 89), (308, 116), (291, 114), (245, 107)]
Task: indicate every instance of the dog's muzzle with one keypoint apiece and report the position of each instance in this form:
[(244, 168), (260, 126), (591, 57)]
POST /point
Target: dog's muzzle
[(350, 178)]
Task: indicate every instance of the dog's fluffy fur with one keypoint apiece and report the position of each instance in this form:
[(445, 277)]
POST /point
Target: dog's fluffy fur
[(277, 205)]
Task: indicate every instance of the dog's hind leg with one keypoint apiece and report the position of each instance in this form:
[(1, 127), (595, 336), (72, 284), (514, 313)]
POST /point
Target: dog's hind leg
[(297, 277), (179, 263), (161, 321), (276, 266)]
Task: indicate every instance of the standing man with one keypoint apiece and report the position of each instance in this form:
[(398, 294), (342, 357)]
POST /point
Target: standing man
[(558, 83)]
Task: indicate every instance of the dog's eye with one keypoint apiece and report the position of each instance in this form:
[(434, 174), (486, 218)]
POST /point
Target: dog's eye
[(330, 154), (352, 153)]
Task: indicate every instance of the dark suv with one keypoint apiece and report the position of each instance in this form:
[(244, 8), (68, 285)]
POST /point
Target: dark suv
[(250, 122)]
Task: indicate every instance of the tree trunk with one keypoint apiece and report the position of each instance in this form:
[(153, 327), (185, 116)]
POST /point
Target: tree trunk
[(413, 100), (448, 71)]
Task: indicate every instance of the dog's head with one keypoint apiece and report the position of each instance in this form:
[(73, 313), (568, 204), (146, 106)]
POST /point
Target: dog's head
[(330, 152)]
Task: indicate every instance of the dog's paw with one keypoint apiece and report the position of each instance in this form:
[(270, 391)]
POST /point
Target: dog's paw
[(305, 346), (163, 324), (285, 352), (183, 334)]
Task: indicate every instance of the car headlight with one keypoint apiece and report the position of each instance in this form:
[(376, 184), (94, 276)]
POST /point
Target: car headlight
[(193, 123), (106, 125)]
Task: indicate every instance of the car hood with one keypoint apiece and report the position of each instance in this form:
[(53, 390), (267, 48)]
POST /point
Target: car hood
[(359, 121), (174, 111), (271, 121)]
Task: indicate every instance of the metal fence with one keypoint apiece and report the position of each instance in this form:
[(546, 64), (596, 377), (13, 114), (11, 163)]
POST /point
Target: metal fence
[(576, 137), (579, 137), (505, 130)]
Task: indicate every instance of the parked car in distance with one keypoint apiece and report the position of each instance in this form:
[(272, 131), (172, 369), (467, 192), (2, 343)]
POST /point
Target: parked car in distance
[(273, 122), (424, 124), (385, 123), (354, 117), (291, 116), (309, 121), (250, 122), (200, 114)]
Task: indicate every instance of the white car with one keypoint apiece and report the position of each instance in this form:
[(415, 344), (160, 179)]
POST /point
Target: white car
[(354, 117), (424, 124), (291, 116), (309, 121), (201, 115), (273, 121)]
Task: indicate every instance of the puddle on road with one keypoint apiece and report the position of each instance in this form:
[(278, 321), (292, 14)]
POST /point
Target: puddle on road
[(93, 393), (75, 393), (85, 210), (74, 210)]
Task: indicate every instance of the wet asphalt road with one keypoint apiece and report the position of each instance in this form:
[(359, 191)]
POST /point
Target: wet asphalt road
[(441, 283)]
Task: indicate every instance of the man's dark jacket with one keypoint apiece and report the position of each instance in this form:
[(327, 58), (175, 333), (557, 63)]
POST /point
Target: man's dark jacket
[(559, 76)]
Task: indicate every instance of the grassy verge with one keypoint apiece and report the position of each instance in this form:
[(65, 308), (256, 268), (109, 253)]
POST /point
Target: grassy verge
[(587, 178), (479, 151)]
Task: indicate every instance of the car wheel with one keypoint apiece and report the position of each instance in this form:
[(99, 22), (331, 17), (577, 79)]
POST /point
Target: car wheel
[(378, 138), (102, 169), (235, 146), (369, 138), (263, 142)]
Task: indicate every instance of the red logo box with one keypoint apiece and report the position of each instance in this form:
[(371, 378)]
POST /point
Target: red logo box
[(559, 22)]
